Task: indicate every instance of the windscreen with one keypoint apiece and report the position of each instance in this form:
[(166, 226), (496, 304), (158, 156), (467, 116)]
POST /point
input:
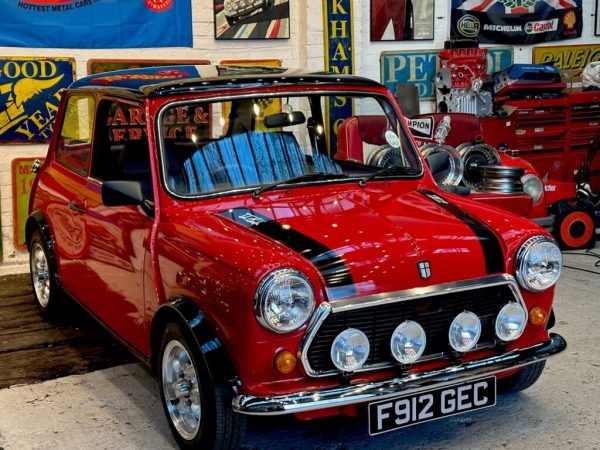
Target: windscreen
[(243, 144)]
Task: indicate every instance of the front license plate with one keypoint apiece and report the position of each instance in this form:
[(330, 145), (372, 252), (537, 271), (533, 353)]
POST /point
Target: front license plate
[(408, 410)]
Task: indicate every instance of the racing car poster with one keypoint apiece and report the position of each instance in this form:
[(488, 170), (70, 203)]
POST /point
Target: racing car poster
[(516, 21), (252, 19)]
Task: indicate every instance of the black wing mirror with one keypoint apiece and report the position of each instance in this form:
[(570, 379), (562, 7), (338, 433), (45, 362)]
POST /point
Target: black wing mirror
[(125, 193)]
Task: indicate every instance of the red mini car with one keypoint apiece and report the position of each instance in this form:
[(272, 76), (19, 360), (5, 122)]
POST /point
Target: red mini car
[(205, 216)]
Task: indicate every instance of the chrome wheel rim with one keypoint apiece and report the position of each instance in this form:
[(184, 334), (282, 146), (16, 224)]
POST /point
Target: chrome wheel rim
[(40, 275), (181, 390)]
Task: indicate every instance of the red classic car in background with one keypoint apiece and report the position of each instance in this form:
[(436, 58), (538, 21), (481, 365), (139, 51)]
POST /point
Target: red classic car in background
[(206, 216)]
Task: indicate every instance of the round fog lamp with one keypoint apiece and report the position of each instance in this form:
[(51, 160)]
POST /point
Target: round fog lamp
[(464, 331), (408, 342), (511, 321), (350, 350)]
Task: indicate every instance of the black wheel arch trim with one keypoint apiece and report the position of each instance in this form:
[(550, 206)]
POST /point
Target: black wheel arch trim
[(37, 221), (187, 313)]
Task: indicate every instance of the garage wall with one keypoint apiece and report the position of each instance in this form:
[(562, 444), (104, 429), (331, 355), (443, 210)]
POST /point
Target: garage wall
[(303, 49)]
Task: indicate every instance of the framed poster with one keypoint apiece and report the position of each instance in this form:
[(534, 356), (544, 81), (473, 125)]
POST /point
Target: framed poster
[(22, 179), (401, 20), (597, 21), (252, 19), (30, 91), (95, 66)]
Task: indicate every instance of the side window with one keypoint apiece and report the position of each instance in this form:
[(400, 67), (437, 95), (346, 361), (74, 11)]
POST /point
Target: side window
[(75, 143), (121, 144)]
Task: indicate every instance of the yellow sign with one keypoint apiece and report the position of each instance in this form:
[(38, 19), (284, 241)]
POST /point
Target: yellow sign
[(570, 59), (266, 106)]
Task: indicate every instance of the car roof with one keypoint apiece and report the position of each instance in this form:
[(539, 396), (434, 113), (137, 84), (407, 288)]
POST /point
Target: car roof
[(177, 79)]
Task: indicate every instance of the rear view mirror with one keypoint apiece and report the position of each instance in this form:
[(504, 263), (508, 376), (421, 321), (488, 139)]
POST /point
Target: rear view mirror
[(284, 119)]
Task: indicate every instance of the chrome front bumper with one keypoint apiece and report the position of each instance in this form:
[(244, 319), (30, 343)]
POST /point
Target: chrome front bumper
[(380, 390)]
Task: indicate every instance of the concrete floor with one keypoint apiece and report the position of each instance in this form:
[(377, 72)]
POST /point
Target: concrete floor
[(119, 407)]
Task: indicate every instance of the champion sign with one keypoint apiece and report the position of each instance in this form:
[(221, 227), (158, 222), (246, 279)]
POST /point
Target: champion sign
[(421, 128)]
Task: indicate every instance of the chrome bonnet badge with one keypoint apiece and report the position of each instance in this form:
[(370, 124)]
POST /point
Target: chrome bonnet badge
[(424, 269)]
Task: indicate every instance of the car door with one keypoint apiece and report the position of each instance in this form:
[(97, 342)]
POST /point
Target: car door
[(118, 237), (64, 184)]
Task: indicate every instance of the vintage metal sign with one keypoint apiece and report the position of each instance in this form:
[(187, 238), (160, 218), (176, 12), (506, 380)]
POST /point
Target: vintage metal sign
[(418, 67), (22, 179), (29, 96), (95, 66), (570, 59), (339, 58)]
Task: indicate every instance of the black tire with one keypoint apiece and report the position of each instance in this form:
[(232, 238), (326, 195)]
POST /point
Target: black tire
[(521, 380), (46, 291), (199, 413)]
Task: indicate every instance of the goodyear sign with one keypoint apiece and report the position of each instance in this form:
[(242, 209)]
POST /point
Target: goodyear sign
[(339, 57), (418, 67), (30, 91), (570, 59)]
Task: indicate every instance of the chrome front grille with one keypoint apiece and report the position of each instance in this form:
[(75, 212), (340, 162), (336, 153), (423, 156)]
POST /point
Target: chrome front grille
[(378, 316)]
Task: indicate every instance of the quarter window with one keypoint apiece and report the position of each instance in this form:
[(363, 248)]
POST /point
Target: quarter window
[(75, 145)]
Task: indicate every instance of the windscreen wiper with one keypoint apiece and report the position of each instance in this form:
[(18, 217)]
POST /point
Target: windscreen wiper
[(316, 176), (390, 170)]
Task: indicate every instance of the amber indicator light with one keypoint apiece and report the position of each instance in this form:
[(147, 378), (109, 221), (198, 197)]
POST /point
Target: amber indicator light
[(537, 316), (285, 362)]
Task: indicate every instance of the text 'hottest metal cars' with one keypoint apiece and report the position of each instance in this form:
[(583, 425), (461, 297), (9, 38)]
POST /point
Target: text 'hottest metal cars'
[(213, 219)]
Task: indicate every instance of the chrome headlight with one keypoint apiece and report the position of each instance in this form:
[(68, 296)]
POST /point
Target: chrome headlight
[(538, 263), (464, 331), (511, 322), (350, 350), (284, 300), (533, 186)]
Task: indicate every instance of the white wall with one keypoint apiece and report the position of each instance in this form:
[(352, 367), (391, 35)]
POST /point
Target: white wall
[(303, 49)]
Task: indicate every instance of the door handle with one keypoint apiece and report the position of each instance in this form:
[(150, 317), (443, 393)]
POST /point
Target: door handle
[(76, 207)]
